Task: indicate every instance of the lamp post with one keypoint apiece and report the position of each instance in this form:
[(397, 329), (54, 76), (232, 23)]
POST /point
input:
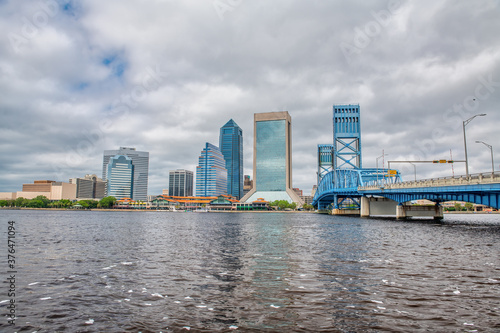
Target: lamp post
[(414, 170), (381, 156), (464, 123), (492, 163)]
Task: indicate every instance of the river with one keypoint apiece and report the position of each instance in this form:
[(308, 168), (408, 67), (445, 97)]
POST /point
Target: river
[(90, 271)]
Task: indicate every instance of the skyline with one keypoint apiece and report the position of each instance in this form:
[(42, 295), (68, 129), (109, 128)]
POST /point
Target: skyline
[(80, 78)]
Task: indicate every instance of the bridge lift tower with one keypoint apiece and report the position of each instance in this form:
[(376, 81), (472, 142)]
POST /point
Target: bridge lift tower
[(346, 137), (346, 149), (325, 160), (338, 188)]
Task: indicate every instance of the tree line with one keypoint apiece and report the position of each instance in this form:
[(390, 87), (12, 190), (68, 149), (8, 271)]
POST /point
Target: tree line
[(283, 205), (42, 201)]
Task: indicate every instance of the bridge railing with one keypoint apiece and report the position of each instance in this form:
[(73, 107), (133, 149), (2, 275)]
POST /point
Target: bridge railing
[(473, 179)]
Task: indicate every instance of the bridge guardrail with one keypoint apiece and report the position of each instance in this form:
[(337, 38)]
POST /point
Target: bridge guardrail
[(478, 178)]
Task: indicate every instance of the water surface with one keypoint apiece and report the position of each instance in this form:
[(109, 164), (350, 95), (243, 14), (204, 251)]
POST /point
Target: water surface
[(90, 271)]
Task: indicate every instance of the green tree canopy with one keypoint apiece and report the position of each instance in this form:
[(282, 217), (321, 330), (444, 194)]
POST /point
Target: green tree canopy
[(107, 202)]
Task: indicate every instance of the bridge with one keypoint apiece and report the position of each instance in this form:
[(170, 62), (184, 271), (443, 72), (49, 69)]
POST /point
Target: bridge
[(345, 188)]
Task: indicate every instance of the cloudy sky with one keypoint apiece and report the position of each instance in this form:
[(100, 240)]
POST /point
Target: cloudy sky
[(79, 77)]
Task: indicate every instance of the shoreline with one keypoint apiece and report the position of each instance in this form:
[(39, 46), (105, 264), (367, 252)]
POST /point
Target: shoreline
[(221, 211)]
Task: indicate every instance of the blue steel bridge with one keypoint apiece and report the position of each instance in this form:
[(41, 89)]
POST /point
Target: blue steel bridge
[(343, 189), (343, 184)]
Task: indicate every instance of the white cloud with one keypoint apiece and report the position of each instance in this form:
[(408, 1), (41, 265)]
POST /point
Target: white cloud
[(82, 63)]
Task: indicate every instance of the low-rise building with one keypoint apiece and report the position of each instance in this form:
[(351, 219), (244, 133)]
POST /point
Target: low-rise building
[(52, 190)]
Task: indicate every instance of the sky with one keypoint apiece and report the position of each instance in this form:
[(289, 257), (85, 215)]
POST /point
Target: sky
[(81, 77)]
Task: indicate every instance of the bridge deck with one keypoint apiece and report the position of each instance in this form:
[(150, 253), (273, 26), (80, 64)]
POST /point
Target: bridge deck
[(476, 179)]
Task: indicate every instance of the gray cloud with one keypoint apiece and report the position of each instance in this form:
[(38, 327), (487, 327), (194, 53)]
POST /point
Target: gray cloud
[(164, 76)]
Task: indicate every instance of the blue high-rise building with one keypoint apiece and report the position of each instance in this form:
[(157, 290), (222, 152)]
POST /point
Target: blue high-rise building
[(140, 161), (120, 172), (272, 158), (231, 146), (211, 172)]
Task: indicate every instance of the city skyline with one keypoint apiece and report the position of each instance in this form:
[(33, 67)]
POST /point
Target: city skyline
[(418, 70)]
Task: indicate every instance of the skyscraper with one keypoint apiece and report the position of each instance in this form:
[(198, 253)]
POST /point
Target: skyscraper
[(231, 146), (140, 161), (211, 172), (272, 158), (120, 173), (180, 183)]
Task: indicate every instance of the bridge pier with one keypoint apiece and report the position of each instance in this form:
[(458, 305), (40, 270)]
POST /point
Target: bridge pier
[(405, 211), (377, 207), (345, 212)]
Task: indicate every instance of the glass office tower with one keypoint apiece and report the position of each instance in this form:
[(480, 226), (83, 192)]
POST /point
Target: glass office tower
[(272, 158), (120, 174), (180, 183), (140, 160), (231, 146), (211, 172)]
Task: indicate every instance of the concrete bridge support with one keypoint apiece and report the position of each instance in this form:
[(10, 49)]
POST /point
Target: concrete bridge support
[(377, 207), (404, 211), (386, 207)]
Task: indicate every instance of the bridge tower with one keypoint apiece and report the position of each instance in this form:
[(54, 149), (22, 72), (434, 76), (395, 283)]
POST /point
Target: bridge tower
[(325, 160), (346, 137)]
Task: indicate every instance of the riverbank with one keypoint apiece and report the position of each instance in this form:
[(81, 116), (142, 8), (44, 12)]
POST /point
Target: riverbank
[(150, 210)]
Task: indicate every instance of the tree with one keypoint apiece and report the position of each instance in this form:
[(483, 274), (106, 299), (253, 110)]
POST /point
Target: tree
[(469, 206), (40, 201), (458, 206), (19, 202), (3, 203), (88, 203), (107, 202), (308, 207)]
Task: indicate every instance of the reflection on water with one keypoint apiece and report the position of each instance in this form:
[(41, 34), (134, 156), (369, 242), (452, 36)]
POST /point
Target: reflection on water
[(161, 271)]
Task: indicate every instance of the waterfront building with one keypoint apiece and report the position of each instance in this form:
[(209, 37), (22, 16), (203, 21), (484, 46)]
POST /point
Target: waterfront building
[(49, 188), (140, 161), (180, 183), (211, 172), (190, 203), (120, 175), (231, 146), (272, 158), (89, 187)]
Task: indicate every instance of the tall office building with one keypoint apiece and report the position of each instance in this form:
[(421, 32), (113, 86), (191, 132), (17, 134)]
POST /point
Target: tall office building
[(120, 173), (211, 172), (272, 158), (180, 183), (231, 146), (89, 187), (140, 161)]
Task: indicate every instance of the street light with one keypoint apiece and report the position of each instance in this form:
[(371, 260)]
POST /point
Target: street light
[(414, 170), (381, 156), (492, 163), (465, 122)]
